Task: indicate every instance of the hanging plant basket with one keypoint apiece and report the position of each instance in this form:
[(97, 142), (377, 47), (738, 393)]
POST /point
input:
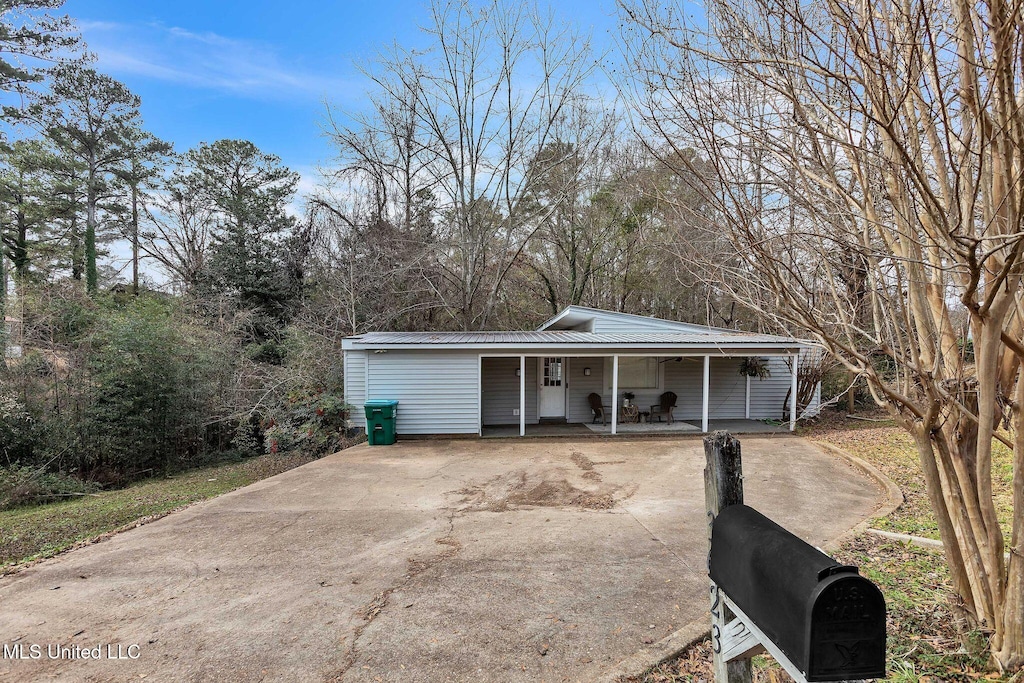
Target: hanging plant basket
[(753, 366)]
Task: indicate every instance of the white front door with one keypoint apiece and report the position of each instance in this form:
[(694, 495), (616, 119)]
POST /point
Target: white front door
[(552, 387)]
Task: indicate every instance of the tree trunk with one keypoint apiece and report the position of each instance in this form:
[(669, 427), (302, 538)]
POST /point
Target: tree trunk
[(77, 257), (3, 305), (20, 250), (851, 395), (91, 274), (135, 240)]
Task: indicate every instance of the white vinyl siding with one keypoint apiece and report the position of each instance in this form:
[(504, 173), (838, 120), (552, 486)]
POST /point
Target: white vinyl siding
[(768, 395), (500, 391), (727, 388), (580, 386), (437, 391), (355, 382)]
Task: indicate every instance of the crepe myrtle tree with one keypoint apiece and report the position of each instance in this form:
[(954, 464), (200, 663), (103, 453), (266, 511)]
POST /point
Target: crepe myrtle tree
[(867, 164)]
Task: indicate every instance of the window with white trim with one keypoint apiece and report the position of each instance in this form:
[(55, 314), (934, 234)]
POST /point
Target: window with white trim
[(634, 373)]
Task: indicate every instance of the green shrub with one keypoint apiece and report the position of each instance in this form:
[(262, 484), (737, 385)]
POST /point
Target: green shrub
[(18, 431), (20, 485), (309, 420), (151, 386), (270, 351)]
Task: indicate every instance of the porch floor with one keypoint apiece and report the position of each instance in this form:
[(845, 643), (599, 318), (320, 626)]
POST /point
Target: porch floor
[(738, 426)]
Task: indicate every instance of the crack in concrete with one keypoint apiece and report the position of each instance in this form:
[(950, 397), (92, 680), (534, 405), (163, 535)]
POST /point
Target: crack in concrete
[(657, 538), (368, 491), (373, 609)]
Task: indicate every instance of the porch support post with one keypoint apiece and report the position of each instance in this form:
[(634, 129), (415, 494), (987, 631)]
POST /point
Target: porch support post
[(792, 394), (615, 393), (746, 410), (522, 395), (707, 388)]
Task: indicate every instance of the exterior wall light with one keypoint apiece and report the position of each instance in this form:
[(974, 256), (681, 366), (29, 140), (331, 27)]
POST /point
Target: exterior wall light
[(586, 372)]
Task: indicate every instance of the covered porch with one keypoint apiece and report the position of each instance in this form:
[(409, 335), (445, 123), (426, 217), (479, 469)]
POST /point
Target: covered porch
[(547, 394)]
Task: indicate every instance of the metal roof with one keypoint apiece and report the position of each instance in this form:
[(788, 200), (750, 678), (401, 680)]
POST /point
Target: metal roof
[(565, 337)]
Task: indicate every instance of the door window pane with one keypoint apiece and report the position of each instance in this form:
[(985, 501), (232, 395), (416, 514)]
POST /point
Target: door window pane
[(552, 372)]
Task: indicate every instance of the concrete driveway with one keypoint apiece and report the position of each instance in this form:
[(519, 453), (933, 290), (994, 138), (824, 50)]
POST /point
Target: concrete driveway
[(498, 560)]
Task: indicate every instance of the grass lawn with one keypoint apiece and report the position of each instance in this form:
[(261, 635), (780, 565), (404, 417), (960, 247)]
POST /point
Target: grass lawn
[(38, 531), (927, 638), (891, 450)]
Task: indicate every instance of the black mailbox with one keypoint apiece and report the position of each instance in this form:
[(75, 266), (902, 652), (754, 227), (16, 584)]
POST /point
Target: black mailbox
[(827, 618)]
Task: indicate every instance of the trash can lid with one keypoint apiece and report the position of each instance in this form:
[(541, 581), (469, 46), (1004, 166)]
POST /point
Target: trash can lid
[(376, 402)]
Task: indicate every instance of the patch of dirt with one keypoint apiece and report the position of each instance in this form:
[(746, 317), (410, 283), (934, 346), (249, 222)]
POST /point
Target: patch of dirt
[(603, 501), (582, 461), (587, 465), (552, 488)]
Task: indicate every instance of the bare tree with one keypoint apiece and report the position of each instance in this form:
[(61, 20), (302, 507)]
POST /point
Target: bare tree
[(464, 121), (368, 274), (179, 228), (867, 164)]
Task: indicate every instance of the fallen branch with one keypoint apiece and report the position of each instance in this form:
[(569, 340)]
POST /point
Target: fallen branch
[(58, 495)]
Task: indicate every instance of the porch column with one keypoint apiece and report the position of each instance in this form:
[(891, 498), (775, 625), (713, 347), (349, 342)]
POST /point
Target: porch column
[(522, 395), (615, 393), (707, 388), (792, 395), (746, 410)]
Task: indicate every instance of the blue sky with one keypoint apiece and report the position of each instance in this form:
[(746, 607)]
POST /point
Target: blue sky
[(260, 69)]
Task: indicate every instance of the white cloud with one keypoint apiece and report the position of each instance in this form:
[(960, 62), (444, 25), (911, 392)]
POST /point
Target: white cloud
[(207, 60)]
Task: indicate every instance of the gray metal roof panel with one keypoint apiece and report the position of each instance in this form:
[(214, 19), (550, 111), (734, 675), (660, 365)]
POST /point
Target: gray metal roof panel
[(569, 337)]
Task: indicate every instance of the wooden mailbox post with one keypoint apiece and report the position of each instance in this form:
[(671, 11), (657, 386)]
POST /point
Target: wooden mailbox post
[(772, 592)]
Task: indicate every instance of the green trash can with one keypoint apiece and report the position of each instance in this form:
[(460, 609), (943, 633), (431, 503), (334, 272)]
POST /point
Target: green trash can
[(380, 421)]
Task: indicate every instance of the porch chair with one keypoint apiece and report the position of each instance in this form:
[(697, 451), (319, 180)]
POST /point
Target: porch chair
[(666, 404), (597, 407)]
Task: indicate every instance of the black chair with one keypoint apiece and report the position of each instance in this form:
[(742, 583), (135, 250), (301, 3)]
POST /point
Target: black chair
[(666, 404)]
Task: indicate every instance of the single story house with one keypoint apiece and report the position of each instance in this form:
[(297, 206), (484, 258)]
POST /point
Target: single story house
[(461, 382)]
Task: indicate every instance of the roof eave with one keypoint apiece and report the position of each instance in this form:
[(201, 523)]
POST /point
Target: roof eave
[(554, 319), (355, 344)]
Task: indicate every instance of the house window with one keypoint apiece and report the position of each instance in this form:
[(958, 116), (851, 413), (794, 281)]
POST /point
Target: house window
[(634, 373), (552, 372)]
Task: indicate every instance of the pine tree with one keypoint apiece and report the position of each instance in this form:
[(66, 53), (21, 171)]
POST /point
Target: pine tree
[(24, 201), (25, 33), (93, 119), (249, 191), (147, 156)]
